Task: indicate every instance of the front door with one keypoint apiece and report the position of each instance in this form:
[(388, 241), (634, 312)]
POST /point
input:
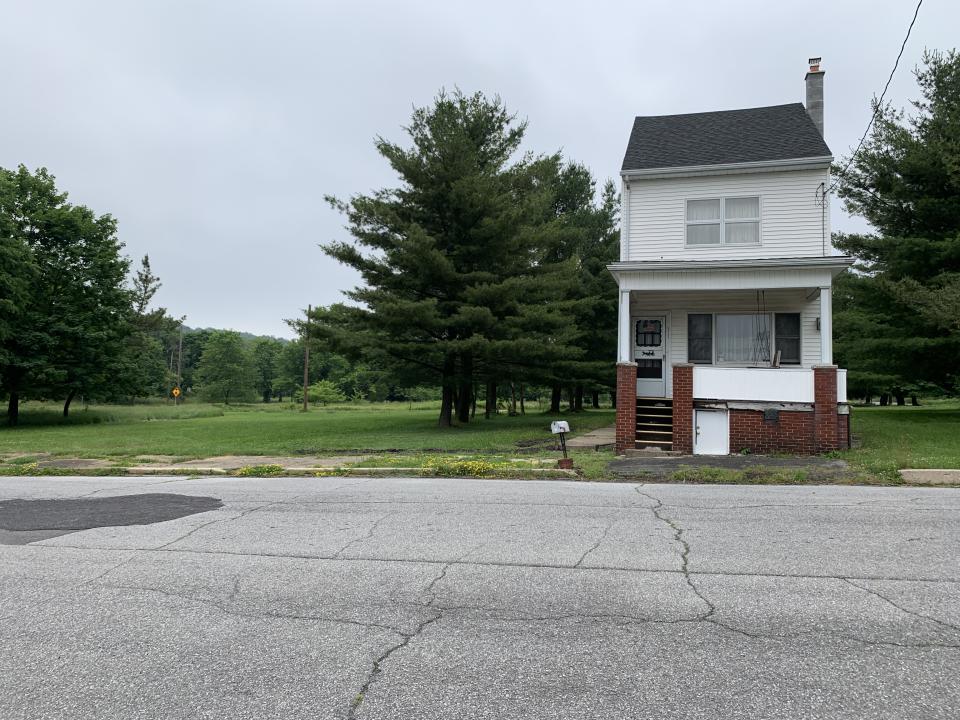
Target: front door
[(649, 345)]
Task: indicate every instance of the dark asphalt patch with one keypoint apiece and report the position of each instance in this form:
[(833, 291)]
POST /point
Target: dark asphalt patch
[(25, 521)]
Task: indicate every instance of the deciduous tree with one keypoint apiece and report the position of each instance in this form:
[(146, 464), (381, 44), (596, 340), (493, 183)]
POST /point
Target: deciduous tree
[(71, 326), (225, 371)]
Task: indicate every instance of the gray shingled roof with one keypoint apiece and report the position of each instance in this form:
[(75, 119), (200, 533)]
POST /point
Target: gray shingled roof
[(779, 132)]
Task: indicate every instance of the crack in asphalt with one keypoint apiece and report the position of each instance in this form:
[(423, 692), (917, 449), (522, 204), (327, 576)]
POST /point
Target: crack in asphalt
[(803, 506), (214, 521), (500, 503), (901, 608), (366, 536), (270, 615), (708, 617), (603, 536), (684, 552), (488, 563), (405, 639)]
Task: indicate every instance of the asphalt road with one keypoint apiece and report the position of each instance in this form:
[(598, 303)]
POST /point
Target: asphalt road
[(423, 598)]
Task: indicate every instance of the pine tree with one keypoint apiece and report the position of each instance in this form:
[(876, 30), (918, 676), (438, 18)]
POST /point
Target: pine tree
[(452, 258), (895, 318)]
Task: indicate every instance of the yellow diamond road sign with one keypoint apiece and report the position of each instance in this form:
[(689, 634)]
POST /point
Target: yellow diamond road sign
[(176, 392)]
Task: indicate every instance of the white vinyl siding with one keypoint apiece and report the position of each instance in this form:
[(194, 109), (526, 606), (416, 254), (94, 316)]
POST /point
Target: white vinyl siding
[(733, 301), (792, 221)]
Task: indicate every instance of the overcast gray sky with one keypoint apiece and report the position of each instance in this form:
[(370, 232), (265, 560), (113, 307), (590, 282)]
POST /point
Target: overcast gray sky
[(212, 130)]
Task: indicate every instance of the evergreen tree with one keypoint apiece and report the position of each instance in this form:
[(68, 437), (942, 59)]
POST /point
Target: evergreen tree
[(452, 258), (895, 318)]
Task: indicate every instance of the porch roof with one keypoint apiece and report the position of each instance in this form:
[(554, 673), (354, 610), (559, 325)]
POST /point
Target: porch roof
[(806, 272)]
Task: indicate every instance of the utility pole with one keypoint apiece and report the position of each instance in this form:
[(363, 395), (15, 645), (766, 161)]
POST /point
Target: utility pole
[(176, 400), (306, 357)]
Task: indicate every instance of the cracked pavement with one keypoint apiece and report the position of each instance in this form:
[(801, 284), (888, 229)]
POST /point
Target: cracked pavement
[(432, 598)]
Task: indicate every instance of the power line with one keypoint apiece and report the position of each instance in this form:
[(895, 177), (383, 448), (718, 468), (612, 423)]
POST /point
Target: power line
[(879, 104)]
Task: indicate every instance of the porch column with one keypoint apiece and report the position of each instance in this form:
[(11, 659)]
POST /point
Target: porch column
[(626, 438), (683, 408), (623, 330), (825, 416), (826, 326)]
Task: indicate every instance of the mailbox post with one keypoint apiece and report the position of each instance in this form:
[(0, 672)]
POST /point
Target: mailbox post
[(561, 427)]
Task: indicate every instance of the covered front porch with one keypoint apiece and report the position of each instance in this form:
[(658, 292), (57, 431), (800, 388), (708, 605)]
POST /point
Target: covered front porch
[(729, 339)]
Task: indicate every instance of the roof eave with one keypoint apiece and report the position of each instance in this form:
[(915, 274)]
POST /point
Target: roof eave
[(836, 262), (819, 162)]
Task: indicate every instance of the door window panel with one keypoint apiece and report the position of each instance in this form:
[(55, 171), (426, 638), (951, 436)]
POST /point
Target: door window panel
[(649, 333), (650, 369)]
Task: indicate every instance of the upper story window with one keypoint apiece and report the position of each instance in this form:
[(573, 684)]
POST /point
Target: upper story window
[(723, 221)]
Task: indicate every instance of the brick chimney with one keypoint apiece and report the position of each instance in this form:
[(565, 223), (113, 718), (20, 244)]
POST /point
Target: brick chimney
[(814, 79)]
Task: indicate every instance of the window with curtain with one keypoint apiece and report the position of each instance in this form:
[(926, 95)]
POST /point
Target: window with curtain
[(743, 339), (703, 222), (723, 221), (786, 332), (700, 338), (741, 221)]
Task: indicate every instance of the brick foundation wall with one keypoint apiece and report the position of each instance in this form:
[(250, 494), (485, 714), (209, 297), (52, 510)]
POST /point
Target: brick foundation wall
[(843, 431), (626, 407), (825, 418), (806, 433), (790, 432), (683, 408)]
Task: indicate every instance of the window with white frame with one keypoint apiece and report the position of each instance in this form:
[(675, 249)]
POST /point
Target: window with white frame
[(723, 221), (743, 338)]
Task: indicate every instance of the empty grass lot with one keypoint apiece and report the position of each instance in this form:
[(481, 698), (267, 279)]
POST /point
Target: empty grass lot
[(204, 430), (893, 438)]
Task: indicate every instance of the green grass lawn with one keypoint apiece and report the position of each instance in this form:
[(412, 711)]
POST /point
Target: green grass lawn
[(890, 438), (894, 438), (203, 430)]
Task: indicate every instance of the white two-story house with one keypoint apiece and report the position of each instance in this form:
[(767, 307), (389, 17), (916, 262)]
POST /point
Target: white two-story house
[(725, 279)]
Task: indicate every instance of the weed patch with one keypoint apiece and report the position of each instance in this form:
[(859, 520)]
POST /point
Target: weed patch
[(260, 471)]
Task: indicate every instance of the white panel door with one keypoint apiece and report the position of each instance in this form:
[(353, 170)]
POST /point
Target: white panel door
[(711, 434)]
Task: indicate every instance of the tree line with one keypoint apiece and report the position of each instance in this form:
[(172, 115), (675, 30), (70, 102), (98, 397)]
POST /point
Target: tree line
[(485, 267), (77, 321)]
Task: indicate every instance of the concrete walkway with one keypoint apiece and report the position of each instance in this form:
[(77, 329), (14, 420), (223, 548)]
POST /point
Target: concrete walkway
[(595, 439), (931, 477), (229, 463), (165, 464)]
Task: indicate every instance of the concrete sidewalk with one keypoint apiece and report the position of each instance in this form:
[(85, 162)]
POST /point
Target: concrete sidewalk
[(594, 440)]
